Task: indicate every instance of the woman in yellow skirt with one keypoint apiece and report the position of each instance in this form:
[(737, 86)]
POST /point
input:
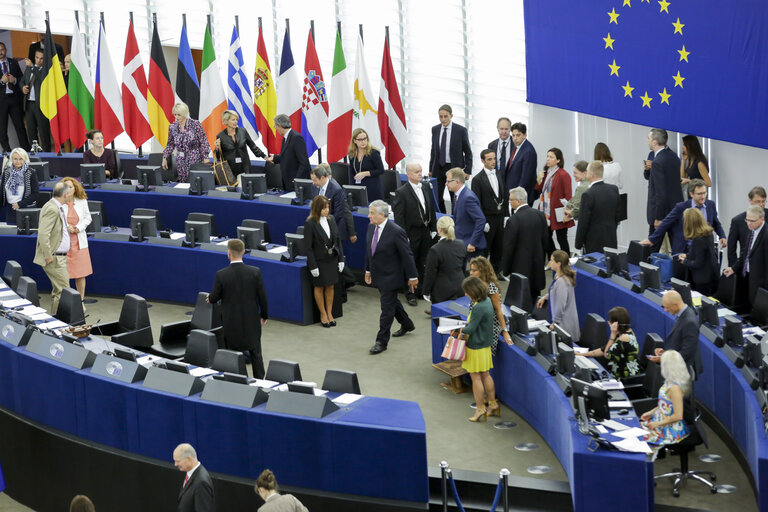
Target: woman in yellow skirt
[(479, 333)]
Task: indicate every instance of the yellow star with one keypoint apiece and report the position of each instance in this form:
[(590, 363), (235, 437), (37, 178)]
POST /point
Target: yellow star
[(614, 68), (683, 54), (627, 90), (678, 80), (614, 17), (649, 1), (626, 3), (608, 41), (664, 96), (646, 100), (678, 27), (664, 4)]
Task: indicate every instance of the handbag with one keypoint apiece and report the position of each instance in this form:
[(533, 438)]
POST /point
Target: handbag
[(665, 264), (222, 171), (455, 348)]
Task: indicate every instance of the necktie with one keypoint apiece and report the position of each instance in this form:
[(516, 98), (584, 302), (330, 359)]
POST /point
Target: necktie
[(186, 479), (443, 141), (503, 156), (512, 156), (5, 67), (375, 241), (749, 250), (322, 191)]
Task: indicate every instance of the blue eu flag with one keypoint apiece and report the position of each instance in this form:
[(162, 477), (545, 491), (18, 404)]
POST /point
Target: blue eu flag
[(698, 67)]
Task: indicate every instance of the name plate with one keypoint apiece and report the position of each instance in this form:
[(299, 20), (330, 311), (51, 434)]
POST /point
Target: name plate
[(118, 187), (60, 351), (118, 369), (300, 404), (171, 190), (271, 198), (232, 393), (14, 333), (173, 382), (116, 237), (223, 194)]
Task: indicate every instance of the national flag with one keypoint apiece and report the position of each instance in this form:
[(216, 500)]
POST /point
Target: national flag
[(265, 98), (213, 103), (314, 102), (340, 125), (364, 115), (391, 114), (108, 106), (187, 87), (54, 101), (80, 91), (160, 97), (134, 90), (239, 92), (288, 88)]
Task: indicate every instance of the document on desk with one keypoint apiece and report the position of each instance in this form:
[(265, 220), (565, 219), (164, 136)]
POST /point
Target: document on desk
[(535, 324), (202, 372), (289, 195), (278, 249), (14, 303), (580, 350), (182, 185), (147, 359), (615, 425), (347, 398), (40, 316), (618, 404), (631, 432), (724, 312), (7, 293), (609, 384), (55, 324), (178, 236), (263, 383), (633, 445)]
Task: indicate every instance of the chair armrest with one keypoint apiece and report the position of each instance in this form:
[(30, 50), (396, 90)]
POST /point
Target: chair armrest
[(635, 392), (633, 380), (175, 332), (138, 338), (644, 405), (106, 329)]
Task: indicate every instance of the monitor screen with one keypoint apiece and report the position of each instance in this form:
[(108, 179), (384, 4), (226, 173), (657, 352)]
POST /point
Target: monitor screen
[(650, 277), (562, 335), (295, 245), (732, 332), (565, 358), (254, 223), (684, 289), (42, 169), (546, 341), (638, 253), (708, 312), (253, 184), (149, 175), (27, 220), (519, 293), (753, 352), (251, 237), (304, 189), (126, 354), (197, 231), (200, 182), (357, 195), (616, 262), (143, 226), (91, 174), (518, 320)]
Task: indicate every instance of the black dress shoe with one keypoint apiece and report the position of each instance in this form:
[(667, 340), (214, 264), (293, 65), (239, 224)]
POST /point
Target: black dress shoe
[(325, 324), (403, 331), (332, 323), (411, 301), (378, 348)]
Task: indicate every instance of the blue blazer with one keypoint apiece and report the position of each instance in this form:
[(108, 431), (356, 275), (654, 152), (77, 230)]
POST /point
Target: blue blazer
[(458, 148), (339, 208), (392, 264), (521, 171), (293, 159), (663, 184), (469, 219), (673, 223)]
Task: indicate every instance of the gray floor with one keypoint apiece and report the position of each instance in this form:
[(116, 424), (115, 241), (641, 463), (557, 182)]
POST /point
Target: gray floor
[(405, 372)]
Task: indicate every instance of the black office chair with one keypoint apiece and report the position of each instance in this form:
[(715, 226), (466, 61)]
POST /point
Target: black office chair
[(283, 371), (341, 381), (205, 217), (43, 197), (262, 224), (727, 292), (389, 181), (274, 176), (519, 293), (150, 212), (340, 173), (132, 329), (229, 361), (200, 167), (173, 336), (35, 158), (759, 314), (12, 273), (651, 343), (645, 396), (118, 166), (98, 207), (594, 333), (156, 160), (27, 288), (201, 348), (70, 308)]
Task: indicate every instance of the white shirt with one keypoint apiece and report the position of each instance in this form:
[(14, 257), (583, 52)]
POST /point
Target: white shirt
[(655, 153), (458, 192), (596, 181), (327, 227), (419, 195), (508, 142), (324, 188), (524, 204), (447, 148), (64, 245), (189, 473), (491, 173), (517, 148), (31, 96), (612, 174)]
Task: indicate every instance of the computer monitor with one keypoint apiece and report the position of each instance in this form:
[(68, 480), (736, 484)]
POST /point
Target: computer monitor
[(357, 195), (650, 277), (638, 253), (589, 400), (176, 367), (546, 341), (253, 238), (566, 358), (143, 226), (232, 377), (733, 334), (27, 220), (562, 335), (708, 312), (295, 244), (200, 182), (91, 174), (615, 262), (753, 352), (684, 289), (303, 189), (253, 184), (149, 175), (518, 320), (255, 223), (126, 354), (43, 170), (197, 232), (96, 223), (301, 388)]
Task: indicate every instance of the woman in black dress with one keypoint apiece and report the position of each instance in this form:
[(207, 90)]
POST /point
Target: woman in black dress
[(444, 270), (693, 163), (325, 257), (701, 256), (234, 142), (365, 164)]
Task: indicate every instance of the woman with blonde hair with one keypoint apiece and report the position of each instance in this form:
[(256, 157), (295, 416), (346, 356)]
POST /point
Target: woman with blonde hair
[(444, 269), (18, 185), (701, 256), (187, 137), (561, 296), (665, 421), (365, 164), (78, 218), (233, 142)]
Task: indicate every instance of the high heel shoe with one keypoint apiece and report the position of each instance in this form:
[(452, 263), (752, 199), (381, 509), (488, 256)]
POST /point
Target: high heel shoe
[(480, 415), (326, 325), (332, 323), (494, 409)]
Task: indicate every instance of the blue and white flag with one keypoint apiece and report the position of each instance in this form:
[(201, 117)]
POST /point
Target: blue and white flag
[(238, 90)]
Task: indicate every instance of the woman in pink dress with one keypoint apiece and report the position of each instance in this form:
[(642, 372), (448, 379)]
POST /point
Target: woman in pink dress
[(187, 137), (78, 218)]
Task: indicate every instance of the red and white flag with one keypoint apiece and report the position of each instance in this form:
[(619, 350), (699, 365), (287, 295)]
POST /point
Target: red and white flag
[(108, 107), (391, 114), (135, 92)]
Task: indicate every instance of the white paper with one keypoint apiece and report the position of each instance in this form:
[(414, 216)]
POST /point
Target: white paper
[(202, 372), (615, 425), (32, 310), (319, 392), (535, 324), (609, 384), (754, 330), (631, 432), (560, 214), (178, 236), (52, 325), (182, 185), (279, 249), (263, 383), (563, 201), (225, 242), (721, 312), (580, 350), (289, 195), (447, 329), (695, 294), (146, 359), (618, 404), (40, 316), (14, 303), (633, 445), (7, 293), (282, 387), (601, 429), (347, 398)]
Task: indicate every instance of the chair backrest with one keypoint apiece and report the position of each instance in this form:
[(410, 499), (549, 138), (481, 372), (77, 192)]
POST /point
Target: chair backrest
[(156, 160), (341, 381), (760, 308), (389, 181), (595, 332), (70, 308), (652, 380), (134, 314), (254, 223), (651, 343), (149, 212), (43, 197), (519, 293), (282, 371), (229, 361), (205, 217), (27, 288), (118, 166), (201, 348), (205, 316), (12, 273), (274, 176), (200, 167), (98, 206), (340, 173)]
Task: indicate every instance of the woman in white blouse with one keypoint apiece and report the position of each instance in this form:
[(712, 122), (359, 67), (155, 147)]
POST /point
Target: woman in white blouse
[(325, 257), (611, 169), (78, 218)]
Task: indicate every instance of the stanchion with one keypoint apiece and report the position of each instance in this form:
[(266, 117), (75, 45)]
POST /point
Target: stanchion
[(459, 506), (504, 473), (444, 484)]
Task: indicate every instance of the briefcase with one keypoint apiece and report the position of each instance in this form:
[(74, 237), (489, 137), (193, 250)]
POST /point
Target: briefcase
[(221, 170)]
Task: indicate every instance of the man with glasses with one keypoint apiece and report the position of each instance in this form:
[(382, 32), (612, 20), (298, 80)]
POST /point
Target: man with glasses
[(467, 214), (752, 265)]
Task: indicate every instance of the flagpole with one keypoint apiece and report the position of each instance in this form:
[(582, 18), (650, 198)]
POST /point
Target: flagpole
[(237, 24), (338, 28), (361, 33), (312, 31)]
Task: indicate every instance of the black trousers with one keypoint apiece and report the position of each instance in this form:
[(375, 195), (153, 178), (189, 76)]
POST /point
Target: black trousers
[(420, 242), (391, 309), (562, 241), (37, 123), (257, 361), (494, 240), (11, 107), (441, 179)]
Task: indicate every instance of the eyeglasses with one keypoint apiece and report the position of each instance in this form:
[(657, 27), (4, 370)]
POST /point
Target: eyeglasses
[(361, 139), (750, 221), (451, 181)]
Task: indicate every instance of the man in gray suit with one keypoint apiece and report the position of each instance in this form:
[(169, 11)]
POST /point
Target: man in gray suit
[(684, 335), (53, 241)]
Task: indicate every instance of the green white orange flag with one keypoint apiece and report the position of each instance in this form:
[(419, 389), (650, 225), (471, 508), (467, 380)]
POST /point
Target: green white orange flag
[(213, 103), (340, 105)]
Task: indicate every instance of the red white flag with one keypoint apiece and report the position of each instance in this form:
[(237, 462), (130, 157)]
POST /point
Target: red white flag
[(391, 113), (135, 92), (108, 107)]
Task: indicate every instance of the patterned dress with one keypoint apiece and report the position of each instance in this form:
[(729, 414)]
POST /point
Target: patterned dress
[(671, 433), (622, 357), (191, 146)]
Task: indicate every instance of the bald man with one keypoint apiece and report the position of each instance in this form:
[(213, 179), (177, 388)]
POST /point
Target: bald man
[(684, 335), (196, 493)]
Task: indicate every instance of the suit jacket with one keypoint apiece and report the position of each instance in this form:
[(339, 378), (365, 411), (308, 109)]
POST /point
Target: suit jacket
[(197, 495), (598, 217), (469, 219), (240, 288), (409, 215), (494, 145), (560, 189), (521, 171), (373, 164), (444, 270), (238, 148), (34, 79), (339, 208), (15, 70), (458, 149), (317, 243), (283, 503), (663, 184), (525, 245), (673, 224), (684, 337), (758, 262), (392, 265), (293, 159), (49, 233), (489, 201), (702, 261), (738, 234)]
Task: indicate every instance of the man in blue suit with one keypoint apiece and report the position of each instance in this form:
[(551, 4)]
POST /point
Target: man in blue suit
[(662, 170), (673, 222), (521, 166), (293, 159), (467, 214), (450, 148)]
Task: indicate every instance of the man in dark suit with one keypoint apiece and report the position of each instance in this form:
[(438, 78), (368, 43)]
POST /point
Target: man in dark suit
[(662, 170), (467, 214), (502, 146), (11, 99), (488, 186), (415, 212), (521, 169), (196, 493), (31, 84), (673, 222), (752, 265), (738, 237), (684, 335), (599, 212), (388, 266), (450, 148), (526, 236), (243, 297), (293, 159)]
